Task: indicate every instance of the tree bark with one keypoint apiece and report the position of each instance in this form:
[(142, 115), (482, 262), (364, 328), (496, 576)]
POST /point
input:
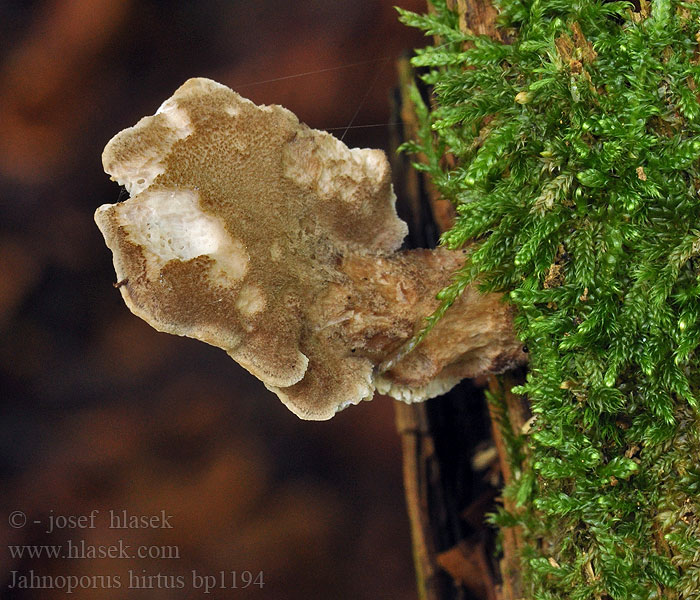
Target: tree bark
[(448, 492)]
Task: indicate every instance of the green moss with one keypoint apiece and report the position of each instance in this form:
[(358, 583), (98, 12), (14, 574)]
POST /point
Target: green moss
[(576, 171)]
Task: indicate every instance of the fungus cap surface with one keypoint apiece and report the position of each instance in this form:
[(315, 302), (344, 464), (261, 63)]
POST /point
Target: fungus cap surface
[(250, 231), (237, 220)]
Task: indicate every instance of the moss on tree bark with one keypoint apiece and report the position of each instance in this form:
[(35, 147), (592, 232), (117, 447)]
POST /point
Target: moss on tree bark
[(567, 136)]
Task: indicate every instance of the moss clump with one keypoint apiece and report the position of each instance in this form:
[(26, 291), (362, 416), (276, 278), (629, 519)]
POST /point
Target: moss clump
[(574, 166)]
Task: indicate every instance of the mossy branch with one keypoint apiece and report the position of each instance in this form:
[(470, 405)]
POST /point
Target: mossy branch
[(574, 171)]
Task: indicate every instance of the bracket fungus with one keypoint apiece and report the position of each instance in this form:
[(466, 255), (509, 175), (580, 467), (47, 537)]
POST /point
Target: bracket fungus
[(250, 231)]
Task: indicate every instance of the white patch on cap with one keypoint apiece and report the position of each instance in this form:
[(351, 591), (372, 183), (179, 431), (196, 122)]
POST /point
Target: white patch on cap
[(250, 300), (141, 171), (172, 226)]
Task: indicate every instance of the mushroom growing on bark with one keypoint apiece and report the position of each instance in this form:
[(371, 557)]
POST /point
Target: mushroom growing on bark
[(252, 232)]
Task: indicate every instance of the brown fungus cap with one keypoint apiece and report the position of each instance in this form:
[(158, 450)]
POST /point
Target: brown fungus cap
[(252, 232)]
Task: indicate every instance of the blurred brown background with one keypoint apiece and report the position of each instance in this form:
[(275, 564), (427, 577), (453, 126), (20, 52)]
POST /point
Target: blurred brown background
[(101, 412)]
